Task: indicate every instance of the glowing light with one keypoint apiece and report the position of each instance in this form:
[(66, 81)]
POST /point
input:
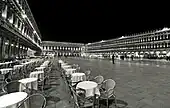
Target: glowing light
[(24, 16), (6, 43)]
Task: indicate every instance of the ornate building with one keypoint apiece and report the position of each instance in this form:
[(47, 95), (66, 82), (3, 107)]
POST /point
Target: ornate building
[(155, 44), (18, 30), (62, 48)]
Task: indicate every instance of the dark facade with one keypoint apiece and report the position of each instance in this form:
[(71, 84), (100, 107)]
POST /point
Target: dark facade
[(154, 44), (18, 30), (62, 48)]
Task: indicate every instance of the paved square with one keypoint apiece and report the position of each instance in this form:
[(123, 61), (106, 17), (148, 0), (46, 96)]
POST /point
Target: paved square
[(140, 84)]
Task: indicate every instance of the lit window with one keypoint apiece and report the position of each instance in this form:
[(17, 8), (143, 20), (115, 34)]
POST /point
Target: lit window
[(4, 12)]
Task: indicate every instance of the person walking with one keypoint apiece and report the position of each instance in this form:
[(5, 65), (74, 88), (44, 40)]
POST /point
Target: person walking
[(113, 57)]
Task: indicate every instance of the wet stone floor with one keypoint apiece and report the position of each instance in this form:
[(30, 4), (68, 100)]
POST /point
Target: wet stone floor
[(143, 84)]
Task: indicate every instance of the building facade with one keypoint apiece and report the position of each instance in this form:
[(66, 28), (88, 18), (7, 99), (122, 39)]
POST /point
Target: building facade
[(155, 44), (18, 30), (62, 48)]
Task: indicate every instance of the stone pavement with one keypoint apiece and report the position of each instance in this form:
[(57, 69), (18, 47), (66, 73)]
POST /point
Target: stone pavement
[(58, 95), (140, 85)]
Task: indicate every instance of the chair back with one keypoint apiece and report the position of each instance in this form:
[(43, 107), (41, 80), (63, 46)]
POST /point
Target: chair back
[(33, 101), (75, 98), (13, 86), (87, 73), (7, 80), (110, 93), (108, 84), (99, 79)]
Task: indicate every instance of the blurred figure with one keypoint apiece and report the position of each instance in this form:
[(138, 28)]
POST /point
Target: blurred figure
[(113, 59), (132, 57)]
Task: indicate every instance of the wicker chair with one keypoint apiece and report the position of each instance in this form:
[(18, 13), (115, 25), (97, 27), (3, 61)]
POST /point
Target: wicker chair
[(88, 75), (107, 92), (14, 86), (34, 101), (99, 80)]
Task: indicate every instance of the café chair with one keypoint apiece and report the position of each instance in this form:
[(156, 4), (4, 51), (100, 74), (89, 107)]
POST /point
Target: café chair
[(107, 92), (36, 100), (99, 80), (14, 86)]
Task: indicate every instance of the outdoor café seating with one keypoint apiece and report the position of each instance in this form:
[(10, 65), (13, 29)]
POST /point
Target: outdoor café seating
[(79, 99)]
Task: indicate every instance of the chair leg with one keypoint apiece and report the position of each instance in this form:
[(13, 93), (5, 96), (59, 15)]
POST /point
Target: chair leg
[(107, 104), (115, 102)]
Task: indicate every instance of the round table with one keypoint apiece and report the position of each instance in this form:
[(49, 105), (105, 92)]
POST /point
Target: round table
[(6, 70), (70, 71), (66, 66), (76, 77), (40, 68), (37, 74), (90, 87), (30, 83), (12, 99)]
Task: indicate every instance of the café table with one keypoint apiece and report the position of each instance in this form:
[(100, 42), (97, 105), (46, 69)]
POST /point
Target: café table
[(70, 71), (37, 74), (12, 100), (90, 87), (6, 70), (66, 66), (76, 77), (40, 68), (30, 83)]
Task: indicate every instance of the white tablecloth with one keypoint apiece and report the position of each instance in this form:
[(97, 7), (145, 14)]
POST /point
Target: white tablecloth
[(18, 66), (40, 68), (37, 74), (60, 61), (11, 100), (69, 71), (76, 77), (30, 83), (66, 66), (90, 87), (6, 70)]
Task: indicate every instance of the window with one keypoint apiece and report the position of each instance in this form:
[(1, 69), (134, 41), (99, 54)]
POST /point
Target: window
[(0, 48), (6, 48)]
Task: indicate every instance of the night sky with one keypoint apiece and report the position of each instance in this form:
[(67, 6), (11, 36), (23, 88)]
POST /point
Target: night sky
[(85, 21)]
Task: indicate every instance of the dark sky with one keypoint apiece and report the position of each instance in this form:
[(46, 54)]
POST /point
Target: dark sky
[(85, 21)]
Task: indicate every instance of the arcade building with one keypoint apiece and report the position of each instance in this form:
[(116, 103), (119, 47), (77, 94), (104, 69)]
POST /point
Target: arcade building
[(19, 34), (62, 48), (150, 45)]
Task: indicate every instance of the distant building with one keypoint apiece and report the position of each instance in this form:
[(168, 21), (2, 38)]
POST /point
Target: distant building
[(18, 30), (62, 48), (154, 44)]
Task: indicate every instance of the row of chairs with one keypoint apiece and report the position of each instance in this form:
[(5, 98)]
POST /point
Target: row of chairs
[(14, 86), (31, 100), (106, 88)]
